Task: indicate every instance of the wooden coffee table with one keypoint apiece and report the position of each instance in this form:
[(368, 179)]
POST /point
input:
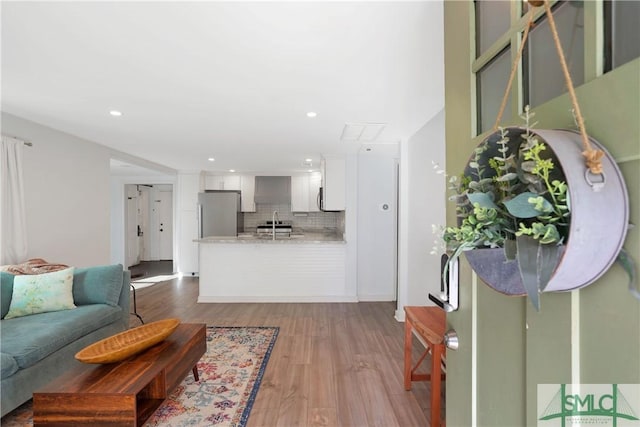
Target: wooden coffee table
[(124, 393)]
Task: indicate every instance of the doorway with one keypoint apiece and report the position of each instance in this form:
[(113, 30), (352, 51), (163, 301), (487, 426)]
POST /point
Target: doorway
[(148, 223)]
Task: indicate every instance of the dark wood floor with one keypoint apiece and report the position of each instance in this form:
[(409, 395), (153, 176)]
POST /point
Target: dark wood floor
[(332, 365)]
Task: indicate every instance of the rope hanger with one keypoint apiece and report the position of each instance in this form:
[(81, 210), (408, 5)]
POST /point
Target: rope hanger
[(591, 155)]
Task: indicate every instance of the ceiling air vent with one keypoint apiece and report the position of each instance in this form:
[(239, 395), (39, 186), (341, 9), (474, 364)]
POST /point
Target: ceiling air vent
[(362, 132)]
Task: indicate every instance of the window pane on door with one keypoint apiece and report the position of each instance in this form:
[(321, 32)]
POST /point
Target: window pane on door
[(626, 34), (546, 80), (493, 19), (491, 82)]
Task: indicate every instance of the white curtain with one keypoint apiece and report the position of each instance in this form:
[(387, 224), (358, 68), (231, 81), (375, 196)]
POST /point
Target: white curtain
[(13, 228)]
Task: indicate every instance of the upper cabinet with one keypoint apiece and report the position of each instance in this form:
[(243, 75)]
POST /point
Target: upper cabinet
[(304, 192), (248, 188), (222, 182), (243, 183), (333, 171), (315, 182)]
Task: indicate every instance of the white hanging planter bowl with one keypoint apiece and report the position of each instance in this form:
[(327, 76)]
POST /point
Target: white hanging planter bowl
[(597, 229)]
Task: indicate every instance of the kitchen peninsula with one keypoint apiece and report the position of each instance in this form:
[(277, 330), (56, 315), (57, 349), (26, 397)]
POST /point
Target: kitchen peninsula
[(302, 267)]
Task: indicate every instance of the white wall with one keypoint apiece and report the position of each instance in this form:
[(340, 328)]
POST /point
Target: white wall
[(185, 260), (376, 227), (422, 204), (67, 194)]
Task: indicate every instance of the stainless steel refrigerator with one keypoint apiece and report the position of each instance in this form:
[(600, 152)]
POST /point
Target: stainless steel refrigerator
[(219, 213)]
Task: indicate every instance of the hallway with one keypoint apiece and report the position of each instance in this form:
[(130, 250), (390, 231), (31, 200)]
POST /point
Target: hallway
[(150, 269)]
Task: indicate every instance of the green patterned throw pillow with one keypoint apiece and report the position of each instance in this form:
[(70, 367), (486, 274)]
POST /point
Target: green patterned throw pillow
[(40, 293)]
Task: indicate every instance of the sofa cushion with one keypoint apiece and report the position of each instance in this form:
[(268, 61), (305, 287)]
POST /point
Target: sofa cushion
[(6, 290), (97, 285), (31, 338), (8, 365), (41, 293)]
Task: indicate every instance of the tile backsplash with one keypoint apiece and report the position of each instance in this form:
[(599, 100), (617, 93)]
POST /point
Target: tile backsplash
[(312, 221)]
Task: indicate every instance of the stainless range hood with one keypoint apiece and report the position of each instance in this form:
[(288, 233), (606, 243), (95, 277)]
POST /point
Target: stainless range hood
[(273, 190)]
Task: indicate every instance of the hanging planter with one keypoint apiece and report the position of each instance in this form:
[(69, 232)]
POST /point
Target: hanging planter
[(549, 207), (588, 242)]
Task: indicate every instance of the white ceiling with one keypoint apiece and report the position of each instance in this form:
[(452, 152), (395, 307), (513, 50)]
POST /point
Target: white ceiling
[(230, 80)]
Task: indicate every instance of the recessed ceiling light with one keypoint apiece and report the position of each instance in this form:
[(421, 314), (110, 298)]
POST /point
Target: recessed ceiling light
[(211, 159), (232, 170), (115, 113), (308, 160), (312, 114)]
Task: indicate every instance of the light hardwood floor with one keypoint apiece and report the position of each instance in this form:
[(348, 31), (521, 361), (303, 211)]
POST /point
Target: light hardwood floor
[(332, 365)]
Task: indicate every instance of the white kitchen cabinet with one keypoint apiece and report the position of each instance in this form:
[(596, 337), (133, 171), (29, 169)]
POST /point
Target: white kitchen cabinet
[(304, 192), (248, 189), (333, 183), (222, 182), (315, 182), (246, 184), (214, 182), (300, 193), (232, 182)]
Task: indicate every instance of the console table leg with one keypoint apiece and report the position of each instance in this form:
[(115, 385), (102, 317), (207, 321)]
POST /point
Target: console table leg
[(195, 373), (407, 353)]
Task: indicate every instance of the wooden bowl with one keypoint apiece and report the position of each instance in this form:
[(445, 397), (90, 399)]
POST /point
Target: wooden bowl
[(125, 344)]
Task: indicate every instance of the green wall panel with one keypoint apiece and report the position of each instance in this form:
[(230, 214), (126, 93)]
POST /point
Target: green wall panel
[(548, 347), (501, 355)]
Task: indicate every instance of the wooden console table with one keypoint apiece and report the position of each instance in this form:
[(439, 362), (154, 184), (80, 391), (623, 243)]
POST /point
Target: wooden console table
[(124, 393), (429, 324)]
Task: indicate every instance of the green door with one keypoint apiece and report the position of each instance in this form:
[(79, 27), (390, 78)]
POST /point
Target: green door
[(591, 336)]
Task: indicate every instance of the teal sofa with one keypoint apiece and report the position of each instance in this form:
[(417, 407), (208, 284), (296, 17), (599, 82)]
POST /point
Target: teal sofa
[(37, 348)]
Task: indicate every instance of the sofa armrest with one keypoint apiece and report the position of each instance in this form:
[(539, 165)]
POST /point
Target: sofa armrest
[(98, 285)]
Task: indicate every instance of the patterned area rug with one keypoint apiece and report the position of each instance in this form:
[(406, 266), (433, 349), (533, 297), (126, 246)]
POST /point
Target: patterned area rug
[(230, 374)]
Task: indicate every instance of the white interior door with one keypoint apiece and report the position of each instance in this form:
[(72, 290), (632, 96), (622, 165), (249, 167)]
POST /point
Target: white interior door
[(144, 219), (165, 223), (131, 226), (149, 210)]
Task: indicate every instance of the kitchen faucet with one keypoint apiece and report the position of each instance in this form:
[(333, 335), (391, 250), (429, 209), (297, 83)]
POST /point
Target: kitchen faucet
[(274, 218)]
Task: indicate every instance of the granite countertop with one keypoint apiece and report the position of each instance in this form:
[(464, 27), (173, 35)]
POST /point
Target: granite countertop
[(297, 237)]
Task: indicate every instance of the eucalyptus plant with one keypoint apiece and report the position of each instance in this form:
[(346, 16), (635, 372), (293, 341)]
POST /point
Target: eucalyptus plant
[(513, 195)]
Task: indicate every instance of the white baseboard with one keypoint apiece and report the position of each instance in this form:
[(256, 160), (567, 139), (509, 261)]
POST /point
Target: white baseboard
[(286, 299), (399, 315), (376, 298), (189, 274)]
